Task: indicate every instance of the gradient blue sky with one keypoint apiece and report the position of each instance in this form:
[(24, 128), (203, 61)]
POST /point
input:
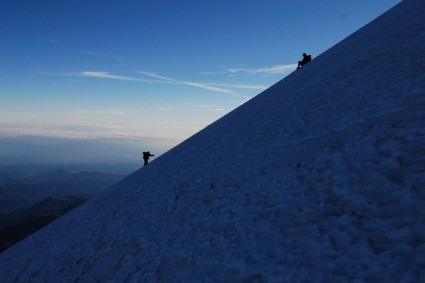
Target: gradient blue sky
[(160, 69)]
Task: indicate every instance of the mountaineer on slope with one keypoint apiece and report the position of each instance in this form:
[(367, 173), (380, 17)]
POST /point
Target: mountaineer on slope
[(305, 60), (146, 155)]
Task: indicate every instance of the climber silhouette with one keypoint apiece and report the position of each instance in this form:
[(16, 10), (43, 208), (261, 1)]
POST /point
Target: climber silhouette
[(146, 155), (305, 60)]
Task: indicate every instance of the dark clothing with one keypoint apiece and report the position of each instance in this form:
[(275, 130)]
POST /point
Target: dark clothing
[(305, 60), (146, 155)]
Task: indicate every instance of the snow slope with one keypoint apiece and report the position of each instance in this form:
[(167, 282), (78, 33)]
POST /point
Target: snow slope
[(318, 179)]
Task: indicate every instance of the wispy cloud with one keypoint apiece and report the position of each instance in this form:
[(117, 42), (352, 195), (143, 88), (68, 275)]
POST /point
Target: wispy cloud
[(108, 112), (58, 74), (101, 75), (81, 130), (153, 75), (214, 108), (275, 69), (160, 79), (52, 40), (256, 87), (193, 84), (212, 88), (106, 75)]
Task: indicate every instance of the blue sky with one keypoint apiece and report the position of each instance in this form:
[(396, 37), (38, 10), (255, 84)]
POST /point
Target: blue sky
[(154, 69)]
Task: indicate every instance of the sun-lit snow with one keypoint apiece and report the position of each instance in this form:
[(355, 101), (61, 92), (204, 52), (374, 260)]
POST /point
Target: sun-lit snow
[(318, 179)]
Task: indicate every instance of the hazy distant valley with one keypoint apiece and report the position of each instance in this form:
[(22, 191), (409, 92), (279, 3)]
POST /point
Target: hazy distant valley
[(42, 178), (30, 200)]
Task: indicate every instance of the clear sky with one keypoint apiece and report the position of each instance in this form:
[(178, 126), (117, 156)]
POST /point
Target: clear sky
[(154, 69)]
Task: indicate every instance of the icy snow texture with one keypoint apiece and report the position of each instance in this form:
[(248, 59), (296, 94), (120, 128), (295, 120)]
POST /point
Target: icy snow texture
[(318, 179)]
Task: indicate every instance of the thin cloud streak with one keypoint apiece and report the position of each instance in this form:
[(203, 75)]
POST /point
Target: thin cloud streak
[(159, 79), (106, 75), (52, 40), (215, 108), (101, 75), (153, 75), (97, 130), (194, 84), (275, 69), (97, 112), (207, 86), (58, 74), (257, 87)]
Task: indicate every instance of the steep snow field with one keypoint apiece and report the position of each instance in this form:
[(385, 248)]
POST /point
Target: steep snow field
[(318, 179)]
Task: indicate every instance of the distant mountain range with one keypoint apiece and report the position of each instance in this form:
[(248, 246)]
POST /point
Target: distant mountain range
[(16, 226), (29, 202), (22, 190)]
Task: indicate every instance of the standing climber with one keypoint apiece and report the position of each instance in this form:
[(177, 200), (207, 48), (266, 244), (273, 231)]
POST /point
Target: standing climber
[(146, 155), (305, 60)]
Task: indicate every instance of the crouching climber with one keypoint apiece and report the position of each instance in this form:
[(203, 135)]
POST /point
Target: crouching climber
[(305, 60)]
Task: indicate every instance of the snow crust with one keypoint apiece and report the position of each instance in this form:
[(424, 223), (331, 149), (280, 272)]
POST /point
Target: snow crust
[(318, 179)]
